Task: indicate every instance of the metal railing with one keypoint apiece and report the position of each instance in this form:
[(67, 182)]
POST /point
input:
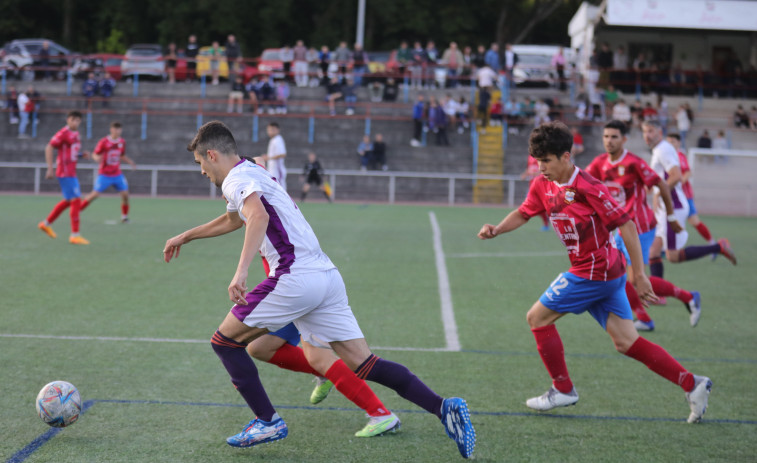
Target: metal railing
[(333, 175)]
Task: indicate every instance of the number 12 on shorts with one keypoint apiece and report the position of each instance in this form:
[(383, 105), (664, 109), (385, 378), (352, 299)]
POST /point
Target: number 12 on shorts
[(559, 284)]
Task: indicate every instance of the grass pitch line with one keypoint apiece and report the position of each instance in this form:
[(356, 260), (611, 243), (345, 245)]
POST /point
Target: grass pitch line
[(445, 294), (475, 255)]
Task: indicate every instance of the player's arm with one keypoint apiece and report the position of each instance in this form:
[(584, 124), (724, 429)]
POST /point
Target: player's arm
[(221, 225), (49, 160), (257, 224), (508, 224), (674, 176), (129, 161), (685, 176), (638, 277), (668, 200)]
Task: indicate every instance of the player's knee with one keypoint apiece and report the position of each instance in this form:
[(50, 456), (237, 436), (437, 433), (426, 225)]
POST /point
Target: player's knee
[(622, 345), (532, 318)]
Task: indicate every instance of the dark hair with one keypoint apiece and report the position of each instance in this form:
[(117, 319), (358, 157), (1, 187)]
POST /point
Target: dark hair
[(273, 124), (550, 138), (619, 125), (214, 135), (74, 113), (115, 124), (674, 136), (652, 123)]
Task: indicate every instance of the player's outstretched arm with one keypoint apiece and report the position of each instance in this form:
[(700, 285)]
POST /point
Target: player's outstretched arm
[(508, 224), (129, 161), (639, 278), (257, 224), (221, 225)]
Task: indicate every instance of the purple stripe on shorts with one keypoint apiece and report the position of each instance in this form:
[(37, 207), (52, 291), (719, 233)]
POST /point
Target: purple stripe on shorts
[(279, 238), (671, 235), (254, 297)]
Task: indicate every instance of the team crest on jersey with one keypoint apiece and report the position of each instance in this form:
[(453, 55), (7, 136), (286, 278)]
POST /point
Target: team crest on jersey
[(621, 170), (570, 196)]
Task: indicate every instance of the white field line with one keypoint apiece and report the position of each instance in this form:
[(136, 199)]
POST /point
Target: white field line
[(183, 341), (445, 294), (476, 255)]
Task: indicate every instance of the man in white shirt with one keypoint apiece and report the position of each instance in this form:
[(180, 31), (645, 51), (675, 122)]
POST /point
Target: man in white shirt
[(486, 77), (274, 156)]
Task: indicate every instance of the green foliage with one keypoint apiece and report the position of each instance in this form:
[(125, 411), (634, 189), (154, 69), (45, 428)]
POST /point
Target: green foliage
[(114, 43)]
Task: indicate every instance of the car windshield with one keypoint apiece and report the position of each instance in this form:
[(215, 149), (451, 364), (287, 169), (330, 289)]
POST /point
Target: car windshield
[(271, 55), (534, 60), (144, 52)]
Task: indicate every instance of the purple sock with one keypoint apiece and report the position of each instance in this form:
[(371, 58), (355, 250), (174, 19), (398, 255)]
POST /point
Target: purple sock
[(243, 374), (403, 381), (695, 252)]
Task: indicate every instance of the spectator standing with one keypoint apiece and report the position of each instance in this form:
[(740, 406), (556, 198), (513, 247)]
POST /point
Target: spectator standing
[(215, 60), (491, 58), (486, 77), (275, 155), (432, 57), (419, 110), (741, 118), (299, 53), (25, 108), (333, 93), (365, 152), (359, 61), (453, 59), (704, 140), (312, 57), (170, 59), (287, 56), (558, 63), (662, 113), (605, 63), (404, 58), (753, 117), (683, 123), (379, 152), (484, 97), (511, 59), (324, 60), (620, 59), (191, 52), (44, 60), (233, 55), (417, 66), (437, 122), (467, 62), (342, 57), (479, 57), (11, 103)]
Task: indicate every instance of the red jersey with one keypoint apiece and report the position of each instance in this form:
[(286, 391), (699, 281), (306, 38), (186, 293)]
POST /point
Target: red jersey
[(626, 179), (687, 190), (68, 144), (112, 151), (583, 214)]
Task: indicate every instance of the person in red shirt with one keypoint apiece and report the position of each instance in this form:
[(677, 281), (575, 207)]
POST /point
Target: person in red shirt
[(583, 213), (68, 144), (109, 152)]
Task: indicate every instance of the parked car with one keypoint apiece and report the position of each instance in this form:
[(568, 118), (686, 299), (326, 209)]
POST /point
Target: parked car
[(144, 60), (534, 66), (100, 63), (20, 56), (270, 62), (382, 64), (203, 63)]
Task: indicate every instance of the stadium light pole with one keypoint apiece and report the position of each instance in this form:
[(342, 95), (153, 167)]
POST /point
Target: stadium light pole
[(360, 22)]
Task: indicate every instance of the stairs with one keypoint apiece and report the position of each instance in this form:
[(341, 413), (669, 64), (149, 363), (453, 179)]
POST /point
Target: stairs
[(491, 160)]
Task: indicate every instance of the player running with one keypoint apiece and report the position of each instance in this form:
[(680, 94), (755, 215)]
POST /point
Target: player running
[(583, 213), (304, 287), (68, 144), (627, 177), (109, 152)]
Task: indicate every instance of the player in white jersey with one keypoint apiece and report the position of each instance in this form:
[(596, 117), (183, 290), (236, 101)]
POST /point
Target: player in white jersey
[(275, 154), (303, 286)]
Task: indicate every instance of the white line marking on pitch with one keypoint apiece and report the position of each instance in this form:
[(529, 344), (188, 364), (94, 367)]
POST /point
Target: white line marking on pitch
[(445, 294), (184, 341), (506, 254)]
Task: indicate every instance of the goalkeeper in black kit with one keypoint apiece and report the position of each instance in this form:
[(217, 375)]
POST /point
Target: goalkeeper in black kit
[(313, 174)]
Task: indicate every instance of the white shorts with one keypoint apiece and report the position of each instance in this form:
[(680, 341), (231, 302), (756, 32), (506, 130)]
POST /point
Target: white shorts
[(671, 240), (316, 302)]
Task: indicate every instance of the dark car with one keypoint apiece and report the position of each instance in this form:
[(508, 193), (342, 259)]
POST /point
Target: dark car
[(22, 56)]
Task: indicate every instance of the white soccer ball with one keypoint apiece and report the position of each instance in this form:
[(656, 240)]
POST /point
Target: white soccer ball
[(59, 404)]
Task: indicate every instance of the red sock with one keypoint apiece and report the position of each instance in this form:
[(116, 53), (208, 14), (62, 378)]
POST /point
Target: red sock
[(355, 389), (636, 305), (125, 209), (74, 213), (658, 360), (84, 204), (57, 210), (291, 357), (704, 231), (550, 348), (665, 288)]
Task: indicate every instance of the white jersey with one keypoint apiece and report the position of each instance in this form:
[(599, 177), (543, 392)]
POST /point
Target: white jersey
[(276, 166), (664, 158), (290, 245)]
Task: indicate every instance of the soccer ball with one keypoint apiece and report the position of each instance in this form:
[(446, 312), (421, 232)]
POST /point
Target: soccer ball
[(59, 404)]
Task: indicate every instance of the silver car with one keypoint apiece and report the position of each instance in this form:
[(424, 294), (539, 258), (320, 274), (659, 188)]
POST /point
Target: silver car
[(144, 60)]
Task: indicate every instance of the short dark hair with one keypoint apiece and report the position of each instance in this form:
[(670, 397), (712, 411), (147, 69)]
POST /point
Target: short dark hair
[(115, 124), (74, 113), (652, 123), (213, 135), (619, 125), (273, 124), (674, 136), (550, 138)]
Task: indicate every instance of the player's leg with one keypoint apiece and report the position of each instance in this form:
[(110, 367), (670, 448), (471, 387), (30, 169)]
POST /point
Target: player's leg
[(125, 206), (72, 192), (89, 199), (54, 213), (305, 190), (644, 322), (663, 288), (102, 183)]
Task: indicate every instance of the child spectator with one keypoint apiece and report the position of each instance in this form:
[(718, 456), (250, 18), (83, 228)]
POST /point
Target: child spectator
[(497, 112), (89, 87), (349, 91), (282, 95), (437, 122), (365, 151), (462, 115), (450, 107), (333, 93), (237, 95), (106, 86), (419, 110)]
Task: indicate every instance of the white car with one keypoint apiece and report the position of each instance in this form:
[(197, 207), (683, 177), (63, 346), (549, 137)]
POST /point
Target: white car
[(143, 60), (21, 56)]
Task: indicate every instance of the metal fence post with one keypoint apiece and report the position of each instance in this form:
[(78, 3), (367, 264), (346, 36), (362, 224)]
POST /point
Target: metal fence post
[(311, 129), (69, 82), (89, 123), (202, 86), (368, 125), (144, 124), (35, 122), (136, 85), (3, 78), (405, 92), (254, 127)]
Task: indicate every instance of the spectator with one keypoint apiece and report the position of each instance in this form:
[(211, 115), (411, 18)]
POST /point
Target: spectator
[(215, 58), (620, 59), (741, 118), (662, 113), (404, 57), (611, 97), (313, 175), (106, 87), (365, 152), (497, 112), (313, 66), (191, 52), (391, 89), (637, 113), (463, 115), (170, 60), (649, 113), (419, 109), (484, 97), (299, 53), (266, 94), (453, 59), (251, 89), (349, 91), (684, 124), (324, 59), (450, 107), (379, 152), (89, 87), (417, 65), (558, 62), (342, 57), (541, 110), (333, 93), (44, 60), (622, 112), (704, 140), (287, 56), (11, 103), (376, 91), (282, 96), (467, 63), (491, 58), (432, 57), (26, 108), (233, 55), (720, 142), (237, 95), (578, 142), (437, 122), (359, 61), (511, 59), (479, 57), (605, 63), (753, 117), (432, 54), (486, 77)]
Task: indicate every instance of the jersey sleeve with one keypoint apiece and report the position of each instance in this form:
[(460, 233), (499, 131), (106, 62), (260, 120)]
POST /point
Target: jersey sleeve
[(669, 158), (533, 205), (100, 147), (593, 169), (608, 210), (237, 190), (57, 140), (646, 173), (123, 147)]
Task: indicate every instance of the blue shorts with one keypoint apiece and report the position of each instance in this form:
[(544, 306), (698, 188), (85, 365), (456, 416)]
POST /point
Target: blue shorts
[(69, 186), (289, 333), (104, 182), (692, 207), (571, 294), (646, 240)]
